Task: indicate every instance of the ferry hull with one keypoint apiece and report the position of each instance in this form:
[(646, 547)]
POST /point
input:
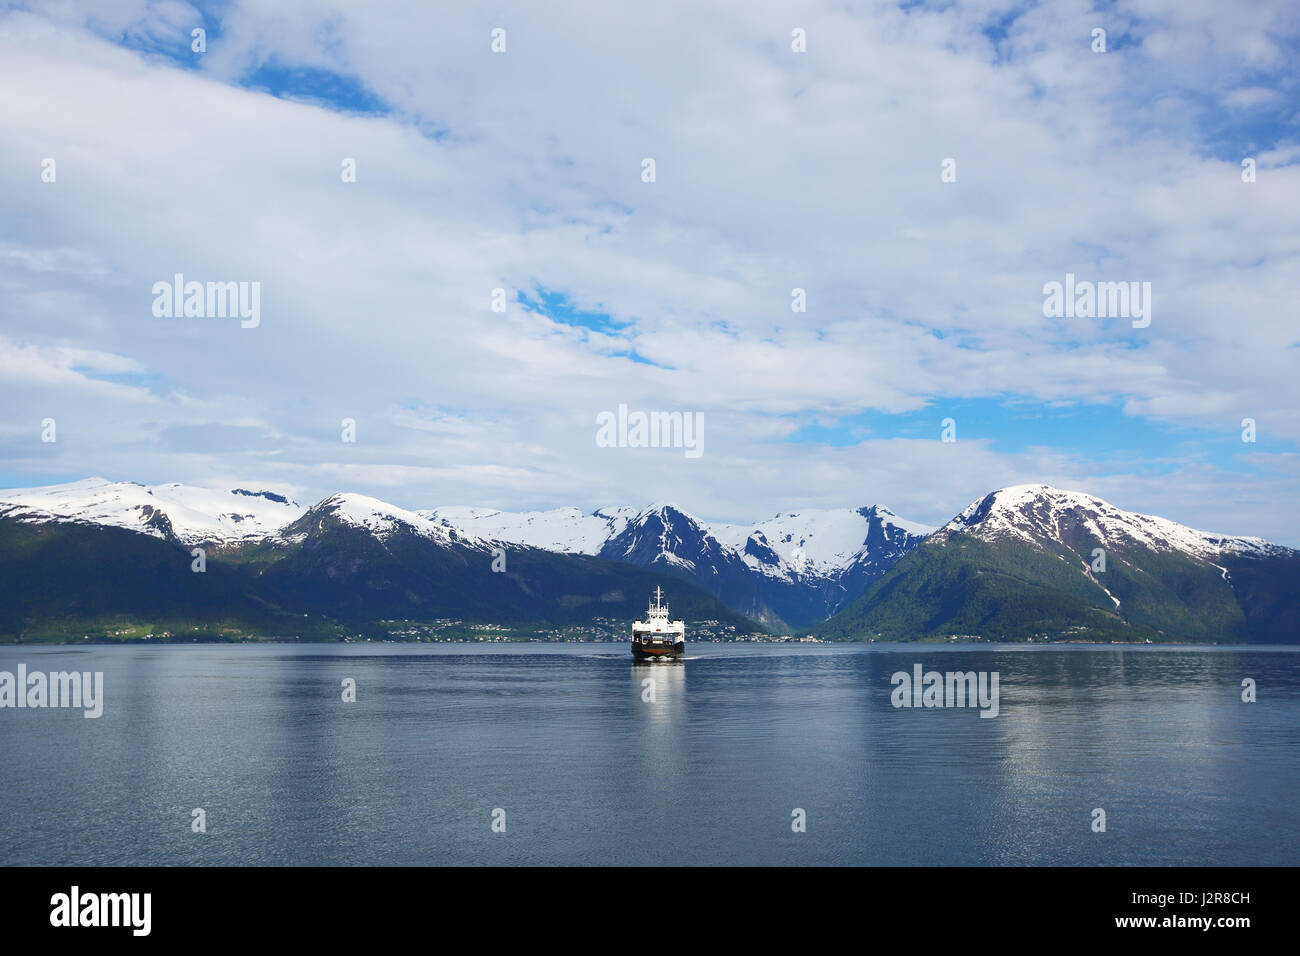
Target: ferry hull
[(645, 652)]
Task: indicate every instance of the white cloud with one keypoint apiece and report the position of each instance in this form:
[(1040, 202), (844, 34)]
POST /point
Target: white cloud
[(776, 170)]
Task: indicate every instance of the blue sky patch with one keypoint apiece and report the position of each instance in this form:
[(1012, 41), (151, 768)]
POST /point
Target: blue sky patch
[(558, 307), (1100, 434), (335, 91)]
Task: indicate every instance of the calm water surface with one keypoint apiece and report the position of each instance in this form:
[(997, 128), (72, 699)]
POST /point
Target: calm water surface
[(588, 772)]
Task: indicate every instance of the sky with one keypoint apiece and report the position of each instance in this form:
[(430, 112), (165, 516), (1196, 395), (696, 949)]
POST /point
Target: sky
[(775, 169)]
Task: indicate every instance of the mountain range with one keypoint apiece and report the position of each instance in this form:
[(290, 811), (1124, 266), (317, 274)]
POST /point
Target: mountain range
[(789, 571), (1035, 562), (1021, 563)]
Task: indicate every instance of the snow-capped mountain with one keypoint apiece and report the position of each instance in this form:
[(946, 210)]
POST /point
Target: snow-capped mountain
[(564, 530), (376, 517), (786, 571), (178, 512), (95, 559), (821, 542), (1035, 513), (805, 543), (1037, 562), (1018, 562), (791, 570)]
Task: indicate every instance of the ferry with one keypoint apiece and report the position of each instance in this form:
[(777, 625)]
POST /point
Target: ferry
[(657, 636)]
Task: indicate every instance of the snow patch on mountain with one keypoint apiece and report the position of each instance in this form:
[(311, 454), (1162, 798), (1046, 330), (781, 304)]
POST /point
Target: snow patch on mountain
[(815, 542), (1032, 512), (186, 513), (566, 530), (378, 518)]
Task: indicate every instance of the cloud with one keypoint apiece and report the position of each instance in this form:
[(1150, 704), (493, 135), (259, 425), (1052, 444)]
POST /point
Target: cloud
[(522, 170)]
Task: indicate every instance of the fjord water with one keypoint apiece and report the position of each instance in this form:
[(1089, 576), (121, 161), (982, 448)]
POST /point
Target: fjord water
[(588, 771)]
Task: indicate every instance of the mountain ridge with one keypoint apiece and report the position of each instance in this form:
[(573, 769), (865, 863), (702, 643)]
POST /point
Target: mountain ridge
[(1036, 562), (788, 571), (1023, 561)]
